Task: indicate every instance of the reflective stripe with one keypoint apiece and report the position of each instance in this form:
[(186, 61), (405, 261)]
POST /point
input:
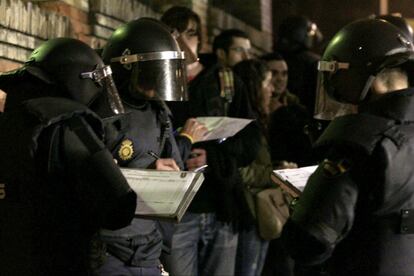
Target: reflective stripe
[(126, 59)]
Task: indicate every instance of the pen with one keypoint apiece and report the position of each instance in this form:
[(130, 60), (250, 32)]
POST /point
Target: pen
[(153, 154), (200, 169)]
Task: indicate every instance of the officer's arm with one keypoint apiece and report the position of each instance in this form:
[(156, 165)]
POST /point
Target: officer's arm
[(184, 146), (323, 215), (102, 189)]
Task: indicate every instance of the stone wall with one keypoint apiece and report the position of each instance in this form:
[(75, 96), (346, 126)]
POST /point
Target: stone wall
[(23, 26), (26, 24)]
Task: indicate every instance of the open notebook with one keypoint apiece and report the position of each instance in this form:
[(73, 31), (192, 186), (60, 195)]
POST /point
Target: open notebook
[(293, 181), (163, 195)]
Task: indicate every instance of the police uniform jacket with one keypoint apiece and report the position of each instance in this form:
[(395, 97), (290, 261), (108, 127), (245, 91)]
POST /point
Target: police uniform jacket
[(58, 186), (149, 129), (356, 211)]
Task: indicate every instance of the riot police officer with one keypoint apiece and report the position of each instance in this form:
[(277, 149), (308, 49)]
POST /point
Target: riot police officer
[(356, 211), (59, 184), (297, 36), (149, 68)]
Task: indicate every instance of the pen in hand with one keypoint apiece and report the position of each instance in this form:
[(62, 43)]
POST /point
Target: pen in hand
[(163, 164), (153, 154)]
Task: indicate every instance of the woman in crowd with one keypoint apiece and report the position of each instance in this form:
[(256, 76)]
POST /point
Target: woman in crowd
[(252, 248)]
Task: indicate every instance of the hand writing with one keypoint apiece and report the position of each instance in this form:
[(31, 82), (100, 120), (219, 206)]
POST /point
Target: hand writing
[(166, 164)]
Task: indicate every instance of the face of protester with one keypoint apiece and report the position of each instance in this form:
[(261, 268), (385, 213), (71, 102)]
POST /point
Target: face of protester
[(279, 70), (266, 93), (190, 37), (189, 41), (238, 51)]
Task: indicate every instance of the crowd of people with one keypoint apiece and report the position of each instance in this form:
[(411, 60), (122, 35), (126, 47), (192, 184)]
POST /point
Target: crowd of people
[(72, 116)]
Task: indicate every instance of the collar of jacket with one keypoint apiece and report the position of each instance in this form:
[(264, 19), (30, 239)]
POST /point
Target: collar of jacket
[(397, 105)]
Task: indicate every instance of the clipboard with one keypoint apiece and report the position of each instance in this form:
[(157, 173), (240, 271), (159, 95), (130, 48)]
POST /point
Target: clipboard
[(163, 195), (293, 181)]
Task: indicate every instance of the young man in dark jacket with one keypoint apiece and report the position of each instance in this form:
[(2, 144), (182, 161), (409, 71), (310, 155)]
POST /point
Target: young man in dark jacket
[(216, 212)]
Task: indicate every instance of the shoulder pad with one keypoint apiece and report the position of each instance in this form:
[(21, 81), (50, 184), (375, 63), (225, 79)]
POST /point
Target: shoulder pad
[(50, 110), (360, 131)]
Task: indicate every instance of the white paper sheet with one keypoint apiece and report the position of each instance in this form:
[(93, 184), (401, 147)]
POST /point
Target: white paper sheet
[(297, 177), (222, 127)]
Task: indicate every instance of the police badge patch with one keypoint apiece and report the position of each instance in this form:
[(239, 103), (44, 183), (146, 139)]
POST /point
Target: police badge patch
[(335, 168), (126, 150)]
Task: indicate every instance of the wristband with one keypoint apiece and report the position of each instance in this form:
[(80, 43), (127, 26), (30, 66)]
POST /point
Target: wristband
[(188, 136)]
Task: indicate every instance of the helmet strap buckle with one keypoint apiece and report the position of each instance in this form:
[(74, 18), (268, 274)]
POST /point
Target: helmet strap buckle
[(332, 66), (98, 74)]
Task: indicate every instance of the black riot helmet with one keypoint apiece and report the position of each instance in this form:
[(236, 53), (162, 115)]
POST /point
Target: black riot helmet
[(353, 58), (76, 70), (297, 33), (401, 23), (145, 57)]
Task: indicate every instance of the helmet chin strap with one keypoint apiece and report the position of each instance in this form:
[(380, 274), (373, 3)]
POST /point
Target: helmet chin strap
[(367, 87)]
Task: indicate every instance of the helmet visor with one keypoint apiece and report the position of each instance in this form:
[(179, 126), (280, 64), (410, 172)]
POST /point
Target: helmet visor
[(158, 75), (102, 76), (326, 108)]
